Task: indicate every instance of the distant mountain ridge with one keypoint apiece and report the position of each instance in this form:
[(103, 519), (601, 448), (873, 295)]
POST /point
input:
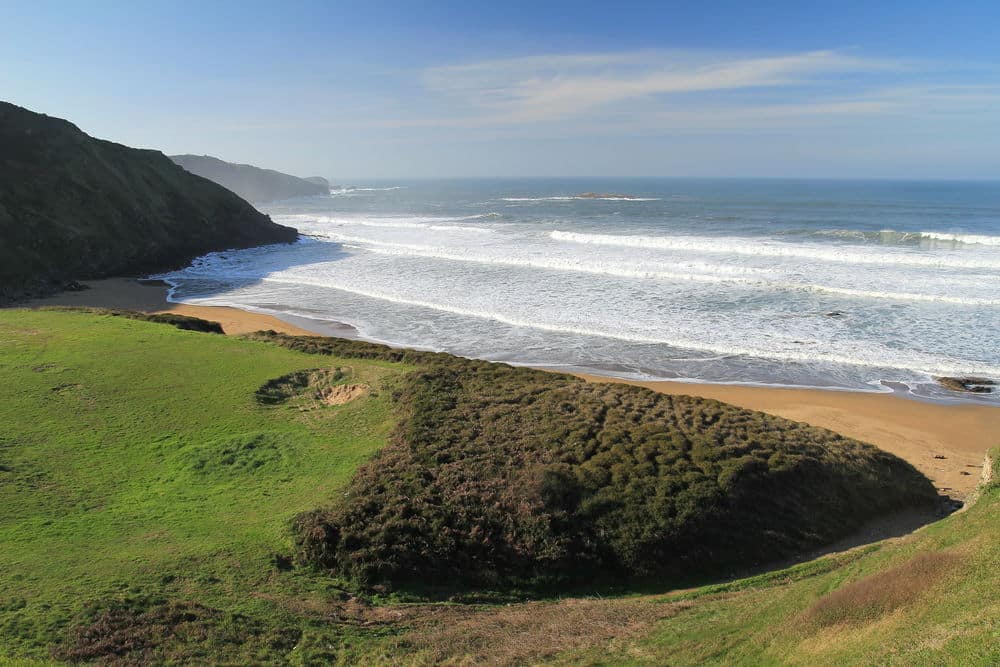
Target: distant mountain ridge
[(252, 183), (75, 207)]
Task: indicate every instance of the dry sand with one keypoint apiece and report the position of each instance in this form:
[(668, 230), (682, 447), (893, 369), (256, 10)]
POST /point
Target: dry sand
[(151, 297), (945, 442)]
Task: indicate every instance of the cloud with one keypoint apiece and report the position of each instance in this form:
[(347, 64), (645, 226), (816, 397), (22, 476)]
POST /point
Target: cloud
[(649, 92), (551, 88)]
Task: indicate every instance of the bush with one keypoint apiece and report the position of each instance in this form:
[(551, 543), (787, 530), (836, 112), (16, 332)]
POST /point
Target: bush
[(185, 322), (499, 475)]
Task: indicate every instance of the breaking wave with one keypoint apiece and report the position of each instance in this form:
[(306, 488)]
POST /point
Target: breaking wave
[(766, 248)]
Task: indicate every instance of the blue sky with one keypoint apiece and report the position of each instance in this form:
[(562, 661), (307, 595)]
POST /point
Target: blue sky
[(391, 90)]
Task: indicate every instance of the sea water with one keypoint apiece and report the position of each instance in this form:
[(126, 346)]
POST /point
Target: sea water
[(852, 285)]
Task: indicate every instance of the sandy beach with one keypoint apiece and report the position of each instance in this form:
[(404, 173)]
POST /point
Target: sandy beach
[(945, 442), (151, 297)]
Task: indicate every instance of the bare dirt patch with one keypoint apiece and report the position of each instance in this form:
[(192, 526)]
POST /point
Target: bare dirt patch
[(308, 385), (341, 393)]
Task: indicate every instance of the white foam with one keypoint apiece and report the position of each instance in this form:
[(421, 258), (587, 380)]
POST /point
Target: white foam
[(699, 272), (968, 239), (578, 198), (765, 248), (505, 255), (902, 360), (432, 223), (352, 189)]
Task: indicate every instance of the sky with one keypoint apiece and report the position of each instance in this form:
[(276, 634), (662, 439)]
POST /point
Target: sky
[(382, 90)]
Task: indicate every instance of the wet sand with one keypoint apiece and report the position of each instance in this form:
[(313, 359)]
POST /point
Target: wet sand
[(945, 442)]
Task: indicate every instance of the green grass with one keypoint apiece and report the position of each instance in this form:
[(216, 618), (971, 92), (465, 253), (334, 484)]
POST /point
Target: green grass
[(147, 493), (135, 461)]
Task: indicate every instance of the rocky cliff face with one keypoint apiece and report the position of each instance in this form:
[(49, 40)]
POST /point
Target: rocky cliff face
[(74, 207), (251, 183)]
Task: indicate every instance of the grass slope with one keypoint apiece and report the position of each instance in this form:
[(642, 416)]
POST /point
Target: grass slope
[(135, 462), (931, 598)]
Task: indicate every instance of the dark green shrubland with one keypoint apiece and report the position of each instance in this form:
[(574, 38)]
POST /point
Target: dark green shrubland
[(497, 475)]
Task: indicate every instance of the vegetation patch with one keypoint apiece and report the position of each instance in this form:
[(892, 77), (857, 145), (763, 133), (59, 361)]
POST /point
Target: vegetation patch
[(143, 631), (531, 632), (882, 593), (314, 384), (240, 454), (504, 476), (183, 322)]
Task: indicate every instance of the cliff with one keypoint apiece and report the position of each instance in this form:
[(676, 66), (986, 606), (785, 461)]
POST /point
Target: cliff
[(75, 207), (251, 183)]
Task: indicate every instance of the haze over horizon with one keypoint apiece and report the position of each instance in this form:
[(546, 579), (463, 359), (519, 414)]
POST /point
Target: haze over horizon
[(386, 90)]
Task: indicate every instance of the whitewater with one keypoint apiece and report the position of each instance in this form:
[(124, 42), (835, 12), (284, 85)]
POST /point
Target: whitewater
[(857, 286)]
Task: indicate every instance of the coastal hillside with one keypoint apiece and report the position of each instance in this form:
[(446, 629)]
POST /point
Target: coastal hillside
[(75, 207), (175, 471), (252, 183)]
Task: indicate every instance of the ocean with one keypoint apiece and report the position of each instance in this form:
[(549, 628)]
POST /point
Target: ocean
[(855, 285)]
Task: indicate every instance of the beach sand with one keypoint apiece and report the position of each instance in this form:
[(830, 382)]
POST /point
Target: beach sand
[(945, 442), (151, 297)]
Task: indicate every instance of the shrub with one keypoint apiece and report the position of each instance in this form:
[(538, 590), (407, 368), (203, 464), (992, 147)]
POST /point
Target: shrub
[(498, 475), (185, 322)]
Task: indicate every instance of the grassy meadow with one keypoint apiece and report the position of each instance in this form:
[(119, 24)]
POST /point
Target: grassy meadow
[(135, 463)]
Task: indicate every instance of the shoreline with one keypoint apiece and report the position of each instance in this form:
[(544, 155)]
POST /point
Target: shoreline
[(918, 431)]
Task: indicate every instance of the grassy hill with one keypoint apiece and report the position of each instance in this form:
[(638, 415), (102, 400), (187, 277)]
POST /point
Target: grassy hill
[(149, 477), (505, 476), (74, 207)]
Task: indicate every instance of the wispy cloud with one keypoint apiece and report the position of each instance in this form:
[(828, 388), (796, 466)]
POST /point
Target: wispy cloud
[(550, 88), (642, 92)]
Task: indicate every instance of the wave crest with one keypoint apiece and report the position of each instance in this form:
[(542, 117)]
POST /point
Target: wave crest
[(755, 247)]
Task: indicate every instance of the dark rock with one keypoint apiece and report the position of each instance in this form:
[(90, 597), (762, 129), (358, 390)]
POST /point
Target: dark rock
[(975, 385), (74, 286)]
